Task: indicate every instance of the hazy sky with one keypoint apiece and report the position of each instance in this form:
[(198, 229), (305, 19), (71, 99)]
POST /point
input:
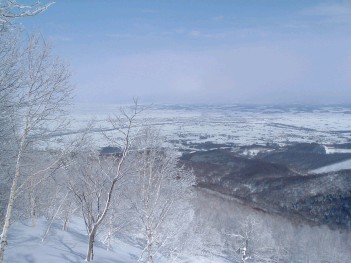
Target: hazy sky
[(234, 51)]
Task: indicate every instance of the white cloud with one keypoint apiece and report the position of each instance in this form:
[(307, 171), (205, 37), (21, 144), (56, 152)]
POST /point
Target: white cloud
[(218, 18), (149, 11), (336, 16), (327, 9), (336, 13), (57, 38), (120, 35)]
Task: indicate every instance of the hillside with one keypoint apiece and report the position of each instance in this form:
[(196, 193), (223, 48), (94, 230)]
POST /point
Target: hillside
[(319, 199), (25, 246)]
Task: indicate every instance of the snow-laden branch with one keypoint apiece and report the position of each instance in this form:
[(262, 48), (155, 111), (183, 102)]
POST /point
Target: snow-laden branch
[(11, 9)]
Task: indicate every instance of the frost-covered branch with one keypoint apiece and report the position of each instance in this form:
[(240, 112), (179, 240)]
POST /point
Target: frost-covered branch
[(11, 9)]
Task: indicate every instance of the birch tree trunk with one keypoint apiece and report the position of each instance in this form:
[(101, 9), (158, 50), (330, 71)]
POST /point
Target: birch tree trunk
[(90, 252), (41, 97), (96, 175), (12, 197), (157, 187), (149, 247)]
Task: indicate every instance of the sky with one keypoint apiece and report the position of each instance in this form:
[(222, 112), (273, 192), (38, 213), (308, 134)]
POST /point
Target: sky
[(201, 51)]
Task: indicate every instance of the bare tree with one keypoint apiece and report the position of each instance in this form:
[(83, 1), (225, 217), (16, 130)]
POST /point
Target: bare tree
[(36, 112), (9, 78), (96, 176), (254, 243), (158, 187), (10, 9), (55, 214), (89, 184)]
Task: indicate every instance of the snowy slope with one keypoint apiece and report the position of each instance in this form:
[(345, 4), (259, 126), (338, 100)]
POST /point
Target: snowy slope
[(25, 245), (333, 167)]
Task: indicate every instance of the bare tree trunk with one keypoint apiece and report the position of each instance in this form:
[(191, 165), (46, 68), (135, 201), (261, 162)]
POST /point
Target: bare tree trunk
[(67, 217), (157, 185), (53, 218), (149, 258), (65, 223), (94, 211), (110, 230), (245, 256), (90, 253), (11, 201), (44, 93), (149, 247), (32, 202)]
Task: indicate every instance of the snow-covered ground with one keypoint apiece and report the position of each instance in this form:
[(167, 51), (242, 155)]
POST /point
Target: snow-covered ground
[(331, 150), (187, 126), (236, 124), (25, 245), (333, 167)]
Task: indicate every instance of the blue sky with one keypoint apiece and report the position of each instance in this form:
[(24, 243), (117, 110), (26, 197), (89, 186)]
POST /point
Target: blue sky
[(238, 51)]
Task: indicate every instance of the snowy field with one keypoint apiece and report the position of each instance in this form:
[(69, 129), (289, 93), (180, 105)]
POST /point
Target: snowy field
[(187, 126), (239, 125)]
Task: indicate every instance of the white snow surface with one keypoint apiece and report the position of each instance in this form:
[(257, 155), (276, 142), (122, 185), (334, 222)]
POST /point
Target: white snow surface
[(331, 150), (333, 167), (25, 245), (238, 124)]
